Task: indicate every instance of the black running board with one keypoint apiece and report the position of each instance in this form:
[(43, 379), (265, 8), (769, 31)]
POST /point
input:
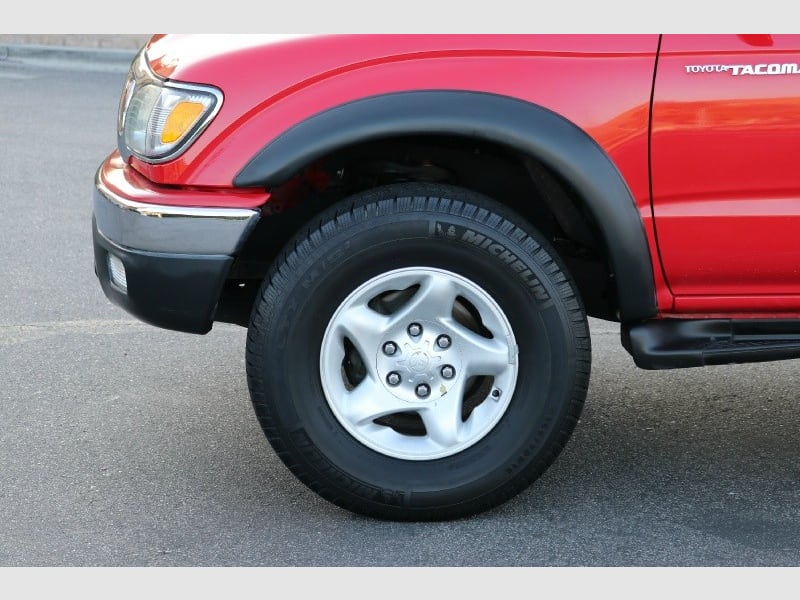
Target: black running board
[(679, 343)]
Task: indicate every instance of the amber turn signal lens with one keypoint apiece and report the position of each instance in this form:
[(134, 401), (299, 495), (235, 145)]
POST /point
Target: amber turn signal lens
[(180, 120)]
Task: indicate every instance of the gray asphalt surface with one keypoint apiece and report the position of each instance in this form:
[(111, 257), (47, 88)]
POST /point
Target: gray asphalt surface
[(126, 445)]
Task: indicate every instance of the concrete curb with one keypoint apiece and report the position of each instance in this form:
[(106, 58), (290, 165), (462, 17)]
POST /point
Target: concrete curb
[(113, 60)]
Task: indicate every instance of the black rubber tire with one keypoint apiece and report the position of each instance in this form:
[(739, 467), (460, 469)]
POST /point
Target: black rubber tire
[(405, 225)]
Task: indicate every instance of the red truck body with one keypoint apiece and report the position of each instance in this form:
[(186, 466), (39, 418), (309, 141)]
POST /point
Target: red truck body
[(724, 189), (659, 168)]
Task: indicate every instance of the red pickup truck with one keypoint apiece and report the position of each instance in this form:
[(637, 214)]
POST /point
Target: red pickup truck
[(414, 228)]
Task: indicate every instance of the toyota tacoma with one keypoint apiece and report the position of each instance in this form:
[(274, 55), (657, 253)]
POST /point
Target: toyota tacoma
[(414, 228)]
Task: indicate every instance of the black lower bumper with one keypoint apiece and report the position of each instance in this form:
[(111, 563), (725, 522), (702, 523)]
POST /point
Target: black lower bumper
[(173, 291)]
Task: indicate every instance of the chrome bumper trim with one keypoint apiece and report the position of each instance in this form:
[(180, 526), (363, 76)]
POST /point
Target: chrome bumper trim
[(176, 229)]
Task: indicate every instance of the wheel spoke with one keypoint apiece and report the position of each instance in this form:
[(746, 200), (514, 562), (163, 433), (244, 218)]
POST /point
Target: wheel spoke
[(367, 402), (481, 356), (443, 419), (433, 301), (364, 328)]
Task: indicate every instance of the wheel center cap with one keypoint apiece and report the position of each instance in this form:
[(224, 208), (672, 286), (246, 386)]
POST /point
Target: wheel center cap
[(410, 366), (418, 362)]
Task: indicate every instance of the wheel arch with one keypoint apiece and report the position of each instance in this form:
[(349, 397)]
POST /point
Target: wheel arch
[(527, 128)]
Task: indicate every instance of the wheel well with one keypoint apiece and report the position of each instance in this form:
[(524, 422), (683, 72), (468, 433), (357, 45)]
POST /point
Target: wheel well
[(518, 181)]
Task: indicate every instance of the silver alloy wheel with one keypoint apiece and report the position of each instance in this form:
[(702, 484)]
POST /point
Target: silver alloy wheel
[(451, 346)]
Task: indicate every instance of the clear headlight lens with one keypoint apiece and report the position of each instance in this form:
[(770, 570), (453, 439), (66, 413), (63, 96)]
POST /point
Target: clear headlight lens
[(158, 119)]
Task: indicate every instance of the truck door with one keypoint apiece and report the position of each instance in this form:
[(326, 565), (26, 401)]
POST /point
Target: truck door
[(725, 171)]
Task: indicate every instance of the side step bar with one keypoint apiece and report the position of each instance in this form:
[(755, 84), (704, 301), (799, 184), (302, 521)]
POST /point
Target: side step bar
[(679, 343)]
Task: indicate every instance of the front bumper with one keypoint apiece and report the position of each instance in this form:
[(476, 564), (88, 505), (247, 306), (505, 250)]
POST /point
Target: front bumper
[(175, 258)]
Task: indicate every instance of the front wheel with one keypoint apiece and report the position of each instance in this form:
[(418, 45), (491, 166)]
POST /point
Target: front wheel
[(418, 353)]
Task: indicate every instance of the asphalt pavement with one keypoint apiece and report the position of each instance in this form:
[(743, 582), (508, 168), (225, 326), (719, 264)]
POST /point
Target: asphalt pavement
[(126, 445)]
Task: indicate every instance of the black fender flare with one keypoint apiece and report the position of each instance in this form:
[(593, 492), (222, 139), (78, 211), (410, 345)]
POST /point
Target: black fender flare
[(528, 128)]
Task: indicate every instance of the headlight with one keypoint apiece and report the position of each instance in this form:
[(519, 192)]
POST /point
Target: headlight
[(158, 119)]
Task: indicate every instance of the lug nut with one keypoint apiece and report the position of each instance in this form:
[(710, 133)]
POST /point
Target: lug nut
[(495, 393), (423, 390), (415, 329), (393, 378), (448, 372), (389, 348), (443, 341)]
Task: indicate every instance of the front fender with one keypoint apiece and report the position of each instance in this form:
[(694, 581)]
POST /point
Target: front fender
[(526, 127)]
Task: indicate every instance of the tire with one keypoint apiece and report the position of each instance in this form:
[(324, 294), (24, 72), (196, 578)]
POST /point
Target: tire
[(349, 413)]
